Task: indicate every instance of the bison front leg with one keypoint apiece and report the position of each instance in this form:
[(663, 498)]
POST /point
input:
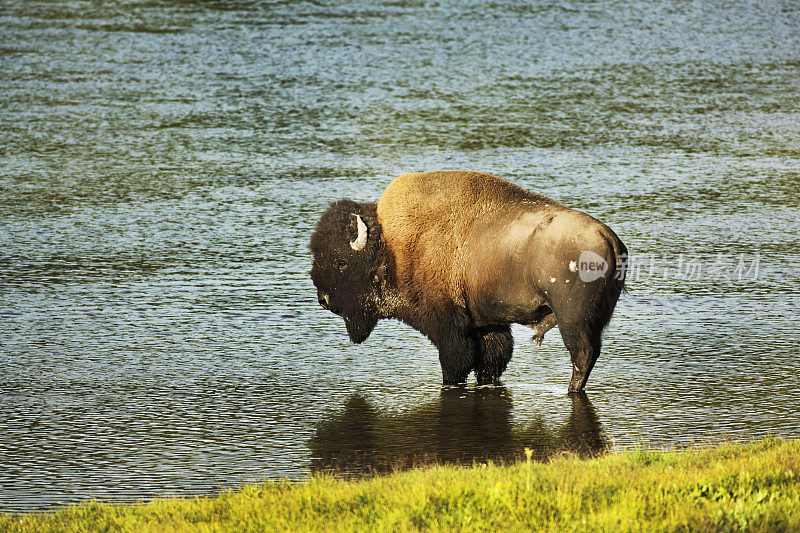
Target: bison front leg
[(494, 348), (457, 350)]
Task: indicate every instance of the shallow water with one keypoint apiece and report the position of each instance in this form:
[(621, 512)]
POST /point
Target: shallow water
[(163, 164)]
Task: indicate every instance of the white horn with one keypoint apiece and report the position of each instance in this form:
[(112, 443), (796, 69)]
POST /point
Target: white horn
[(361, 240)]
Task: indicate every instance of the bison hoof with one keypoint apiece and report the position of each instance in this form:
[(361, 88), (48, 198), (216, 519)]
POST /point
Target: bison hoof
[(487, 380), (537, 340), (575, 387)]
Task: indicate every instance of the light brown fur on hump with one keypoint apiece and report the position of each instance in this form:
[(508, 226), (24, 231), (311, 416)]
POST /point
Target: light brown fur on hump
[(426, 217)]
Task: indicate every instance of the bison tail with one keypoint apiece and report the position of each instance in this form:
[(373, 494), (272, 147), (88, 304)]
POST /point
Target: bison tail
[(615, 284), (621, 270)]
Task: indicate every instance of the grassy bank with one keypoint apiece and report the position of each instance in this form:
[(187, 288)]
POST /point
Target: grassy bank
[(730, 487)]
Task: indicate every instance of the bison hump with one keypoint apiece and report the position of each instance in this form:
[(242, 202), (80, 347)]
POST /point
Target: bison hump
[(426, 218)]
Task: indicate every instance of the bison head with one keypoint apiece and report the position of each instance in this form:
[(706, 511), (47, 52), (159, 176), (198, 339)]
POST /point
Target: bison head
[(346, 245)]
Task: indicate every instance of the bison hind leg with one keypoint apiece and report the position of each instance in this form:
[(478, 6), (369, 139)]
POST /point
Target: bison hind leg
[(581, 322), (541, 327), (494, 346), (583, 343)]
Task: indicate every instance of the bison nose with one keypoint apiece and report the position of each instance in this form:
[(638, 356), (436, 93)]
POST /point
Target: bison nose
[(324, 300)]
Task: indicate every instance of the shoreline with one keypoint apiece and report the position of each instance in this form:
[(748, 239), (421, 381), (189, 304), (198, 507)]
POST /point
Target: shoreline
[(753, 486)]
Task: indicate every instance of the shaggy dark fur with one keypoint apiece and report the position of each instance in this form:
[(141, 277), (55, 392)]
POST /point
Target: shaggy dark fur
[(349, 277)]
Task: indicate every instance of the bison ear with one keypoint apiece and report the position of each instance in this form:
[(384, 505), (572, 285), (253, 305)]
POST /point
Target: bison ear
[(361, 239)]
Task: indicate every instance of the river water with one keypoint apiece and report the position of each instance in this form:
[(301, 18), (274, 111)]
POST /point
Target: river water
[(162, 165)]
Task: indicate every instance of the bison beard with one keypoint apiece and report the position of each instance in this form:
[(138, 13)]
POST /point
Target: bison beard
[(462, 255)]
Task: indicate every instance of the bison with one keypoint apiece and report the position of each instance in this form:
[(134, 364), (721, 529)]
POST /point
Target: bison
[(460, 256)]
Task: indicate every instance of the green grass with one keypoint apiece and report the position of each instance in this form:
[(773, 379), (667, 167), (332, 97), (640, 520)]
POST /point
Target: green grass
[(731, 487)]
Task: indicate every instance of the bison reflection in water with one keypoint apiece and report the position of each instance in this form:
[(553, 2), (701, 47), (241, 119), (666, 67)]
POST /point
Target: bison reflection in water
[(461, 256), (463, 426)]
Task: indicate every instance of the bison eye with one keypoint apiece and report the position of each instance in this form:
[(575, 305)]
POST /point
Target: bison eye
[(341, 265)]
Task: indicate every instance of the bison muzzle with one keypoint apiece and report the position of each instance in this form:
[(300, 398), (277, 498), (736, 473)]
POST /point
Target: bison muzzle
[(460, 256)]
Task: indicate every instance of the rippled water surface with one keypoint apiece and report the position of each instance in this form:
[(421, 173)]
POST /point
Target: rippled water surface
[(162, 165)]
